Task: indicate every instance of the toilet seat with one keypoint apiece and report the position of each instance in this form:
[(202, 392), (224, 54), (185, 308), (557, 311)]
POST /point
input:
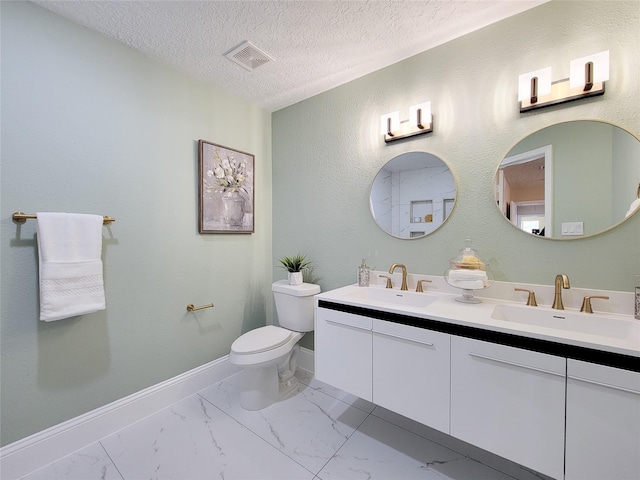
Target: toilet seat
[(261, 339), (263, 345)]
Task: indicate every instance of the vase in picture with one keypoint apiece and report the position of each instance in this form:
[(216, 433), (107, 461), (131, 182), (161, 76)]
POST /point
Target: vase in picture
[(295, 278), (233, 208)]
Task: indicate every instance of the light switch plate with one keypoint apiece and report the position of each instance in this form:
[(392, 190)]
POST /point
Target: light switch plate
[(572, 229)]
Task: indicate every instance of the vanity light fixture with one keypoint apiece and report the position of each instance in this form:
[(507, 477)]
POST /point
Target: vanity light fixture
[(586, 79), (533, 85), (390, 123), (420, 121)]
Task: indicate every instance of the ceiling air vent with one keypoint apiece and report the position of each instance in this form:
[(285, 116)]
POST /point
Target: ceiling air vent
[(248, 56)]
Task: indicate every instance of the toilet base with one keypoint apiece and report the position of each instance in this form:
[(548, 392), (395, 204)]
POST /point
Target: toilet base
[(288, 386), (262, 387), (265, 385)]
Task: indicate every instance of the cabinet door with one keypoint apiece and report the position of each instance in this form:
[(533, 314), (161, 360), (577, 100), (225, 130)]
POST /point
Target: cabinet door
[(603, 422), (510, 402), (343, 351), (411, 372)]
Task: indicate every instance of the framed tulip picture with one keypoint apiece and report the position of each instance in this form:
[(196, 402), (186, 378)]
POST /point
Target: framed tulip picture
[(226, 183)]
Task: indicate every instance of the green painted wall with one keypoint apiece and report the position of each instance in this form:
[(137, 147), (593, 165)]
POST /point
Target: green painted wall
[(328, 149), (89, 125)]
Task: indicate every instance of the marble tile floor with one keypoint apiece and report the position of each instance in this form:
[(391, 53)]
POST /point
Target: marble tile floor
[(316, 433)]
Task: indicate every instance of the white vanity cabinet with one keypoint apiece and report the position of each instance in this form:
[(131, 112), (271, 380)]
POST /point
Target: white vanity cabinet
[(343, 359), (411, 372), (509, 401), (603, 422), (402, 368), (539, 403)]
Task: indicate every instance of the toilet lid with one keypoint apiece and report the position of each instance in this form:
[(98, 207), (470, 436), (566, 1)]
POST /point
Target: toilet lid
[(261, 339), (302, 290)]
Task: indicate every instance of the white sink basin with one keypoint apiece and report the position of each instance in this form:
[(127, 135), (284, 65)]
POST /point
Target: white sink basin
[(394, 296), (589, 323)]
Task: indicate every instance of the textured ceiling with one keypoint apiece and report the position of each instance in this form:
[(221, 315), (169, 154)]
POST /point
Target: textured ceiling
[(316, 45), (526, 175)]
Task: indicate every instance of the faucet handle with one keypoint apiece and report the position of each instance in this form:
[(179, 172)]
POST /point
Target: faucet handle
[(419, 286), (586, 303), (389, 284), (531, 301)]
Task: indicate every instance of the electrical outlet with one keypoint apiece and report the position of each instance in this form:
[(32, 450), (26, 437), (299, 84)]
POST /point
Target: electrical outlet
[(572, 228)]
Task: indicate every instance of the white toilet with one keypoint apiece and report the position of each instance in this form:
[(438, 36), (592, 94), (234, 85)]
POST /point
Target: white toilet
[(268, 354)]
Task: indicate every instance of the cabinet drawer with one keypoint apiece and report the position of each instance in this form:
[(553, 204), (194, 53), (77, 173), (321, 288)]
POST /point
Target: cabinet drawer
[(623, 380), (603, 422), (414, 334), (411, 373), (343, 318), (511, 357), (343, 351), (510, 402)]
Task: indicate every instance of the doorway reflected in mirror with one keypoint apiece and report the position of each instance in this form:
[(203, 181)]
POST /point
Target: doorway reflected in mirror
[(569, 180)]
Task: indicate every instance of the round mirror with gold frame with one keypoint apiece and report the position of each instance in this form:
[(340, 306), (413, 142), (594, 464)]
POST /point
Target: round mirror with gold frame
[(570, 180), (413, 195)]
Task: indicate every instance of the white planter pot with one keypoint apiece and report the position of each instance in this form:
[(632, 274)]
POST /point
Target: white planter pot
[(295, 278)]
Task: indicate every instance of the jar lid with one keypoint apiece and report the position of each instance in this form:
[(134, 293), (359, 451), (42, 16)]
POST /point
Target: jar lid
[(467, 259)]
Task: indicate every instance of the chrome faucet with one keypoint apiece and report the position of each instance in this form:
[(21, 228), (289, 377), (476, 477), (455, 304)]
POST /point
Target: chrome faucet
[(404, 274), (562, 281)]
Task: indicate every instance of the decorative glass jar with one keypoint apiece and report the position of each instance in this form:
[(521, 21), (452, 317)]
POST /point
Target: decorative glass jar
[(468, 273)]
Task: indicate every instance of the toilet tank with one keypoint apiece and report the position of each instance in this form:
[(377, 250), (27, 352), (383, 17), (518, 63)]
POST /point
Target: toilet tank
[(294, 305)]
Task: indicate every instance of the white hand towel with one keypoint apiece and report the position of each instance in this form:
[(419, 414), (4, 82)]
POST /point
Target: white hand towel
[(467, 274), (70, 250), (469, 284), (468, 279)]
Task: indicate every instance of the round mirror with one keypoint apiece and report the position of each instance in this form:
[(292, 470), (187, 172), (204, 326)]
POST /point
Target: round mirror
[(570, 180), (412, 195)]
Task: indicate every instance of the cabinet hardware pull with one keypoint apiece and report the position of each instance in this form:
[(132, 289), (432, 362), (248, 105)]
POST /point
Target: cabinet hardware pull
[(515, 364), (393, 335), (342, 324), (600, 384)]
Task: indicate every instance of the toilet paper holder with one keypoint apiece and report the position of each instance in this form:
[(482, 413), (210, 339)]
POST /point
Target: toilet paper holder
[(191, 308)]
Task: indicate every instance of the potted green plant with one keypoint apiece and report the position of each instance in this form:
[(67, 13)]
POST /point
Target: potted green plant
[(295, 266)]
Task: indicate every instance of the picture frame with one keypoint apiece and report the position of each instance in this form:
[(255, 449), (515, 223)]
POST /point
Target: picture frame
[(226, 189)]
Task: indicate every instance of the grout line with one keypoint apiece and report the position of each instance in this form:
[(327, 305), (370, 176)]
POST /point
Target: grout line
[(344, 443), (254, 433), (111, 459)]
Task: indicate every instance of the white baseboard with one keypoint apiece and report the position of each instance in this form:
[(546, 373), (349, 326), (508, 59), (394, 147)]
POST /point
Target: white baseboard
[(31, 453), (305, 359)]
